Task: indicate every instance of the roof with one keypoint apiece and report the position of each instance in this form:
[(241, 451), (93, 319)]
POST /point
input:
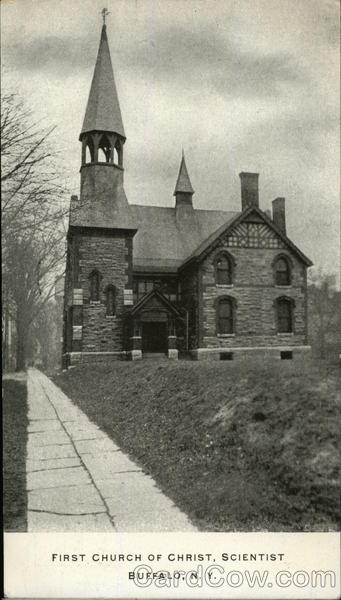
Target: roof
[(205, 244), (167, 236), (183, 183), (106, 211), (103, 110)]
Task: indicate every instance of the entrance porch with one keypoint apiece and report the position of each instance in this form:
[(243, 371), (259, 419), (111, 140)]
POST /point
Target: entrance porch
[(153, 327)]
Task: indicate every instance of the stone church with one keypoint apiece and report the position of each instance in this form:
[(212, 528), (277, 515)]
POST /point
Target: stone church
[(151, 280)]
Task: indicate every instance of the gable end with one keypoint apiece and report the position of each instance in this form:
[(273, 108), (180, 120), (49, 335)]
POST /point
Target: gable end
[(250, 229)]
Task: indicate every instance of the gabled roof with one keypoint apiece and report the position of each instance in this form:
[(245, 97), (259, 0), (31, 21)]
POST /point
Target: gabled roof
[(183, 183), (155, 293), (163, 240), (206, 244), (103, 110)]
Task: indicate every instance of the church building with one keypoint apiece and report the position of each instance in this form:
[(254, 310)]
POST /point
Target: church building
[(145, 281)]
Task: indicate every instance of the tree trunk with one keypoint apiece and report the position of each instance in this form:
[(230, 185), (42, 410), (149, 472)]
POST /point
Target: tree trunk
[(5, 348), (21, 346)]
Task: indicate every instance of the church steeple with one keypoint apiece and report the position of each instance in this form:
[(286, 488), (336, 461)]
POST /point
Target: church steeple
[(183, 189), (103, 201), (102, 134)]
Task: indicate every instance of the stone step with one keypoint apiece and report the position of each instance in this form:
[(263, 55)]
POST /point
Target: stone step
[(154, 356)]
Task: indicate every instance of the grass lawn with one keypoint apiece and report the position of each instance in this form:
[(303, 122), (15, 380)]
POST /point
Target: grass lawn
[(236, 450), (14, 454)]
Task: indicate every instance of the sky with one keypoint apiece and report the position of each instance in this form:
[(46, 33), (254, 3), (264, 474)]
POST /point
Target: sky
[(241, 86)]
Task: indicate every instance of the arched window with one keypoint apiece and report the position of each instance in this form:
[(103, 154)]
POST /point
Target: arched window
[(104, 149), (225, 316), (223, 270), (94, 279), (282, 271), (284, 315), (111, 300)]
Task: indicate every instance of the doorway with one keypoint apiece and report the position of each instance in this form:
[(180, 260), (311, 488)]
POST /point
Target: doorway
[(154, 337)]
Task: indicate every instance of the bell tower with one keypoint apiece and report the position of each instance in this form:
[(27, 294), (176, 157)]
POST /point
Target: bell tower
[(102, 134), (98, 281), (102, 138)]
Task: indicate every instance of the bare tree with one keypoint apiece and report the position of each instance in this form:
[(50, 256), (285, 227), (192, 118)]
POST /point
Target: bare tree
[(33, 213), (30, 182), (324, 314), (46, 335)]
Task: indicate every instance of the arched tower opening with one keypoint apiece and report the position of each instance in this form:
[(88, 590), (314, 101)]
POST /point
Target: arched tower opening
[(105, 150), (88, 150), (118, 153)]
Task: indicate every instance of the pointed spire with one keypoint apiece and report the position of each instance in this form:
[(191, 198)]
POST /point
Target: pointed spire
[(183, 184), (103, 110)]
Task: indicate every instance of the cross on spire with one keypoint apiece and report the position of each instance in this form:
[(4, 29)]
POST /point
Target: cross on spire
[(104, 13)]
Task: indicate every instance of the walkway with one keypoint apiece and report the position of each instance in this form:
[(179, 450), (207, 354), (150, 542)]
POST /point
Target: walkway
[(79, 480)]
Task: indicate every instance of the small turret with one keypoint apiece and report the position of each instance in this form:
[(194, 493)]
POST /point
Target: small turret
[(183, 190)]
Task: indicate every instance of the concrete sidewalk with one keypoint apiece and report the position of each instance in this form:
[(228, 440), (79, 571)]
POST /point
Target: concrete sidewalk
[(79, 480)]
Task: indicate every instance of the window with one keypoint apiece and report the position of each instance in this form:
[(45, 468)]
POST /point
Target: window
[(284, 315), (223, 270), (282, 272), (141, 288), (169, 289), (225, 316), (111, 301), (94, 278), (226, 356), (167, 286)]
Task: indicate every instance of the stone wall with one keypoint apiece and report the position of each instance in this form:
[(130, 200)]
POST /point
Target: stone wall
[(77, 358), (255, 293), (110, 253), (190, 301), (255, 355)]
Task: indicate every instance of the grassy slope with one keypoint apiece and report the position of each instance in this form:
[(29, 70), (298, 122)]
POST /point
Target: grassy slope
[(235, 450), (14, 455)]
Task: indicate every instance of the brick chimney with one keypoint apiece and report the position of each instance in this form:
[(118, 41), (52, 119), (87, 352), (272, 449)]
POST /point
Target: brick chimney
[(278, 214), (249, 185)]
